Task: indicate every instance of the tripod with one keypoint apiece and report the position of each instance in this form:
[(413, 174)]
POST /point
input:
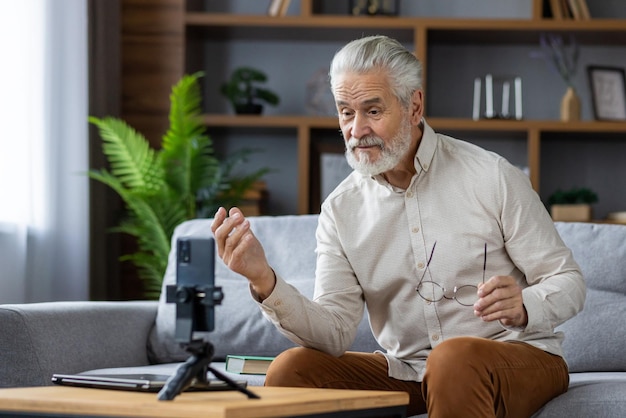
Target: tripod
[(196, 367), (195, 295)]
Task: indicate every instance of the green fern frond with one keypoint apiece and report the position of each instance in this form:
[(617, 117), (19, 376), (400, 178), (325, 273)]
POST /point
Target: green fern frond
[(149, 271), (187, 157), (225, 188), (103, 176), (146, 223), (129, 155)]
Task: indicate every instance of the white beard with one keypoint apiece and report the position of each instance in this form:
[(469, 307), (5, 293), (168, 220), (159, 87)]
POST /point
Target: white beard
[(390, 155)]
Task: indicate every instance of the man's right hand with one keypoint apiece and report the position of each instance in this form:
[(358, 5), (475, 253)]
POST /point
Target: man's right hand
[(242, 252)]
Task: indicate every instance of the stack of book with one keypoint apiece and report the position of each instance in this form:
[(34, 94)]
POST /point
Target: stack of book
[(570, 9)]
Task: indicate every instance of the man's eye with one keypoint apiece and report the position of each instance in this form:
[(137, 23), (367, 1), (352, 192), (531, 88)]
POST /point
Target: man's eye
[(346, 113)]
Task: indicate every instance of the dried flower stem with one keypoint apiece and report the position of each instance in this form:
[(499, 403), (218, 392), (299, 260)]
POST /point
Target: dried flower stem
[(561, 57)]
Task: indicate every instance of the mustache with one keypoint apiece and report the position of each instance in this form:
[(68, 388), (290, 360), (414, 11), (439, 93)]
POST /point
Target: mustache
[(366, 141)]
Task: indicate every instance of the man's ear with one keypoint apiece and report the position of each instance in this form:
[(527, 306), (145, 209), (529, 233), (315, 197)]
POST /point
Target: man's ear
[(417, 107)]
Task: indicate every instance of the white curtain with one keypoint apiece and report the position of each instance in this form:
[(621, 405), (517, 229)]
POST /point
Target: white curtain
[(44, 220)]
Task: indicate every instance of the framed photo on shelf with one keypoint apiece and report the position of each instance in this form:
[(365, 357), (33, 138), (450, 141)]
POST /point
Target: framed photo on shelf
[(608, 92), (328, 168)]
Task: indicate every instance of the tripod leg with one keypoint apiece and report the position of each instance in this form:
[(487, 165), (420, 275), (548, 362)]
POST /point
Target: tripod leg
[(233, 384), (183, 377)]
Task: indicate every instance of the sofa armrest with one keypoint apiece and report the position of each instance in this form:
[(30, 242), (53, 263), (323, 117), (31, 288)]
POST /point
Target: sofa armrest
[(39, 339)]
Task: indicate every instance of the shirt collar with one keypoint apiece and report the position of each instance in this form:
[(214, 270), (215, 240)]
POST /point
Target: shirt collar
[(426, 149), (423, 158)]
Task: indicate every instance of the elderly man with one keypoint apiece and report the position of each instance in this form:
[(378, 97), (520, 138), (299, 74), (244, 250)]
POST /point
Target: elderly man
[(455, 257)]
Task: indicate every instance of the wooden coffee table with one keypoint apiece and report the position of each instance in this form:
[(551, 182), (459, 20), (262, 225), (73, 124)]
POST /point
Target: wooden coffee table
[(62, 401)]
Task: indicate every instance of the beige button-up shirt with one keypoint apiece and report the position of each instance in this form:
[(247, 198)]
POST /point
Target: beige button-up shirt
[(373, 244)]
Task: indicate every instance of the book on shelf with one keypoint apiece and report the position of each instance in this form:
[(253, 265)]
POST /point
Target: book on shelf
[(247, 364), (274, 7), (565, 9), (574, 9), (579, 9), (556, 9), (584, 9), (278, 7), (283, 7)]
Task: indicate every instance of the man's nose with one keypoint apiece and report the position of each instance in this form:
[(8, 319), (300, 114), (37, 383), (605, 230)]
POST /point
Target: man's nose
[(360, 126)]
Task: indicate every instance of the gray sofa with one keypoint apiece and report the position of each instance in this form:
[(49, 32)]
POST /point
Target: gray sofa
[(38, 340)]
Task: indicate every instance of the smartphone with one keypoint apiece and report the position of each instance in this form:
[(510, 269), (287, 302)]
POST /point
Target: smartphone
[(195, 293)]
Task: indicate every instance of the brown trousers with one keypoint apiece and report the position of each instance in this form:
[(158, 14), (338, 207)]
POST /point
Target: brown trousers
[(468, 377)]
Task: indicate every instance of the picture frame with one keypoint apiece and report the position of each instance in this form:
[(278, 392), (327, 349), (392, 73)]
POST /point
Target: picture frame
[(608, 92), (328, 167)]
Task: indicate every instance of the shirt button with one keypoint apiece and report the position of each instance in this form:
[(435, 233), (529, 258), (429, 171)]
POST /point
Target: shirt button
[(409, 194), (415, 230), (425, 166), (435, 337), (277, 303), (420, 265)]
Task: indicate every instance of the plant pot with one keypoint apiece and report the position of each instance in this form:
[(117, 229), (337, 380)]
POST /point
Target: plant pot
[(580, 212), (249, 109), (570, 106)]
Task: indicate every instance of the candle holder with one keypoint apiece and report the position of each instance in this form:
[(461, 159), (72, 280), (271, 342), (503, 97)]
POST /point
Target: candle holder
[(501, 92)]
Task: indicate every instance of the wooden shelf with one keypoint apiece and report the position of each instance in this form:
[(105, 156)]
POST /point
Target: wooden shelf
[(246, 121), (332, 21), (526, 125), (317, 22), (453, 124), (439, 30)]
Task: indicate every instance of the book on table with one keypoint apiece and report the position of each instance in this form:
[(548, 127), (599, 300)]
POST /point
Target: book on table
[(247, 364)]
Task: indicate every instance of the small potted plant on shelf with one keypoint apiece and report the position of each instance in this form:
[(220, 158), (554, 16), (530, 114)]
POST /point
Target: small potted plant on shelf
[(573, 205), (245, 96)]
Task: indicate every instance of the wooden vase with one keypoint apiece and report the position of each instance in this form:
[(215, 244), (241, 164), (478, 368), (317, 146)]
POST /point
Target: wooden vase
[(570, 106)]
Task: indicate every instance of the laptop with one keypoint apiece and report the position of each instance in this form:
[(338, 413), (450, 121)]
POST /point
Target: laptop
[(134, 382)]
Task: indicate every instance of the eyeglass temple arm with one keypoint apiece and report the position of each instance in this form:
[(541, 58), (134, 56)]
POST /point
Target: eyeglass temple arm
[(485, 262), (431, 254), (430, 257)]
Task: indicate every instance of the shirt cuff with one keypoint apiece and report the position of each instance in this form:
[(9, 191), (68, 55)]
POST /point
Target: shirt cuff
[(534, 310), (278, 301)]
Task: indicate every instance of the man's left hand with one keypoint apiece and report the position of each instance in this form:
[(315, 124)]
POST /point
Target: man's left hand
[(500, 299)]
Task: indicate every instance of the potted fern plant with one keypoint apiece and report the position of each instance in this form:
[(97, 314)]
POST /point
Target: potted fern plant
[(161, 188)]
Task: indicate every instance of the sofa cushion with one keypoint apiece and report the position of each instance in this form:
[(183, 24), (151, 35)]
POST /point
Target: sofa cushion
[(589, 395), (39, 339), (593, 339)]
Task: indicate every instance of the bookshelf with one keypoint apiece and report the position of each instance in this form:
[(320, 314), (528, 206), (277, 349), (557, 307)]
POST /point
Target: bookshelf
[(220, 30)]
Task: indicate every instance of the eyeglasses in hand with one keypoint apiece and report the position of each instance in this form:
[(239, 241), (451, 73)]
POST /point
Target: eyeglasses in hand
[(430, 291)]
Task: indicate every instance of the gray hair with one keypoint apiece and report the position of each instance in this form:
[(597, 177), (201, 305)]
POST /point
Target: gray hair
[(380, 53)]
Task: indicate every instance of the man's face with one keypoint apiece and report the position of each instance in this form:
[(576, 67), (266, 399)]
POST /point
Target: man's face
[(375, 126)]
